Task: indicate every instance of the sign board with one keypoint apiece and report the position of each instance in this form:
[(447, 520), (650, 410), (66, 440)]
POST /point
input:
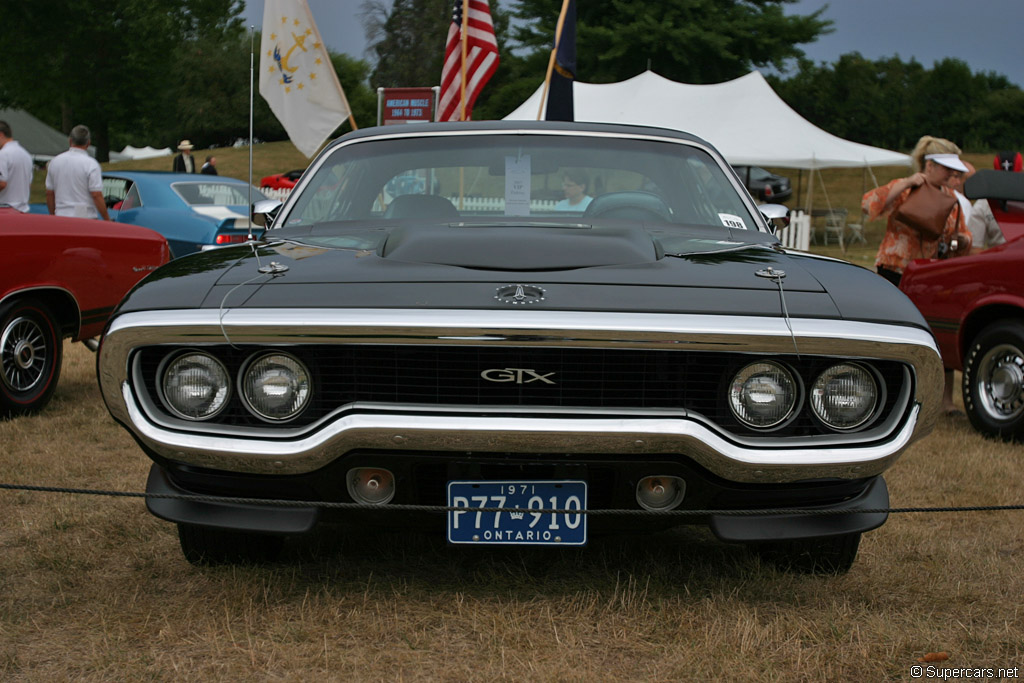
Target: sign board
[(406, 105)]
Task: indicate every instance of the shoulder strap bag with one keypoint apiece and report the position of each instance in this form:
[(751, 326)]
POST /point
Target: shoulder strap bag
[(926, 210)]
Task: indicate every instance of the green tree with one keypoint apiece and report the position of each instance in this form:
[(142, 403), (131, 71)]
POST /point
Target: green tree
[(693, 41), (949, 92), (353, 75), (407, 40), (209, 92), (890, 103), (998, 121), (103, 64)]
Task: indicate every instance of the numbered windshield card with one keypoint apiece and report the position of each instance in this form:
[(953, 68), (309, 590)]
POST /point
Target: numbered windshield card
[(526, 517), (517, 185), (731, 221)]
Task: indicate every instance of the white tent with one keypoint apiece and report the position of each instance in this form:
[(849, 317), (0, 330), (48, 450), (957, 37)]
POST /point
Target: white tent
[(744, 118), (146, 152)]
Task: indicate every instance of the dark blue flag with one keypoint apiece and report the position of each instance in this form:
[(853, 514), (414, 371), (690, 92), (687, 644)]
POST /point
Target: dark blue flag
[(559, 106)]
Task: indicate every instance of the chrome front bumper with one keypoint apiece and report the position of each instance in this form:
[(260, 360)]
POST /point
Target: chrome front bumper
[(455, 429)]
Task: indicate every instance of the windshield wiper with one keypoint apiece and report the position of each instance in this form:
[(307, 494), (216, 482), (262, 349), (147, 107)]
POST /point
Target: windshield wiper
[(712, 253)]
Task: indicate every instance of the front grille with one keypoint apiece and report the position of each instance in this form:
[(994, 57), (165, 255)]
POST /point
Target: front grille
[(535, 377), (529, 377)]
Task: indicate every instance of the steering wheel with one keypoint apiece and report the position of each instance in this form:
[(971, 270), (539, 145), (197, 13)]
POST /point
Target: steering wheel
[(636, 205)]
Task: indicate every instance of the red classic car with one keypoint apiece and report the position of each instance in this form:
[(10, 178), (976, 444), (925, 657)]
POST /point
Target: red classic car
[(282, 181), (60, 277), (975, 307)]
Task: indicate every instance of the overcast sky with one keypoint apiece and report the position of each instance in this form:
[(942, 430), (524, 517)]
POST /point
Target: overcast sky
[(986, 34)]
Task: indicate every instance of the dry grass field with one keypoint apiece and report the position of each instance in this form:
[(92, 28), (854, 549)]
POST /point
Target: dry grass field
[(95, 588)]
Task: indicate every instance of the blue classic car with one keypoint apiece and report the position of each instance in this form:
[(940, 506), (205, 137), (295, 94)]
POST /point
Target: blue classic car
[(190, 211)]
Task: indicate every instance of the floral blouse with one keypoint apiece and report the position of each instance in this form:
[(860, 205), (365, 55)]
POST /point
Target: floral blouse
[(902, 244)]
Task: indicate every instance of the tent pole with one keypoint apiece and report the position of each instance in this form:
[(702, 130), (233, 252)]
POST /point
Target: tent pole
[(824, 190), (810, 190), (864, 183)]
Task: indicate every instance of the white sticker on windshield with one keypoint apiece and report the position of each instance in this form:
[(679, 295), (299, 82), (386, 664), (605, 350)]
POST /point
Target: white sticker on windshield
[(517, 185), (731, 221)]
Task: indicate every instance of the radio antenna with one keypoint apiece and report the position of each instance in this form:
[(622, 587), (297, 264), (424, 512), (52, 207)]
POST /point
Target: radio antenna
[(252, 60)]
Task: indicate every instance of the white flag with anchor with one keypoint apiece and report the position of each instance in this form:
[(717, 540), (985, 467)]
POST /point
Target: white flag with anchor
[(296, 76)]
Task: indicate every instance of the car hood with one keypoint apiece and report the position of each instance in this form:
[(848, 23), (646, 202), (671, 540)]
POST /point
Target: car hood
[(599, 268)]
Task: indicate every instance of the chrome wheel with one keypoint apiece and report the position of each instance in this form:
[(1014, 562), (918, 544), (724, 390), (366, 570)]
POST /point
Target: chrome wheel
[(994, 380), (23, 354), (1000, 382)]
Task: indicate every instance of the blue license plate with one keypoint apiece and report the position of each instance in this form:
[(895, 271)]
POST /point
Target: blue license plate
[(474, 525)]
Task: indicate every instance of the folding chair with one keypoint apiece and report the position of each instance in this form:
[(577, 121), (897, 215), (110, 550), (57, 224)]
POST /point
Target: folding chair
[(857, 230), (835, 225)]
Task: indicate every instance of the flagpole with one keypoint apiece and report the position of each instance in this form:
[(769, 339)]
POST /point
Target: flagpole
[(554, 53), (462, 93), (462, 79)]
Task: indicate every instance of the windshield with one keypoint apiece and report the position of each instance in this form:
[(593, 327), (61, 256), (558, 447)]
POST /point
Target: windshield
[(554, 179), (758, 173), (215, 193)]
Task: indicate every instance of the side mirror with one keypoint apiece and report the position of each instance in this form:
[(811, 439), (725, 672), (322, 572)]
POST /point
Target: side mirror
[(776, 216), (265, 211)]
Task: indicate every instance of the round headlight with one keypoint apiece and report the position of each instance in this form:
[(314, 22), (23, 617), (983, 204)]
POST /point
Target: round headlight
[(195, 386), (844, 396), (276, 386), (763, 394)]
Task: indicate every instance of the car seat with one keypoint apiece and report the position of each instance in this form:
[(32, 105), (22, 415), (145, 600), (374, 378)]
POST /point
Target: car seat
[(427, 206)]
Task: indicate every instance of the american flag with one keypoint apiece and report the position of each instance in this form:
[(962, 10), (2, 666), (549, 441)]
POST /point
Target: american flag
[(481, 59)]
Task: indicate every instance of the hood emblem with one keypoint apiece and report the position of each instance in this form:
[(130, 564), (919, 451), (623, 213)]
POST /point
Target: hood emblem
[(519, 295)]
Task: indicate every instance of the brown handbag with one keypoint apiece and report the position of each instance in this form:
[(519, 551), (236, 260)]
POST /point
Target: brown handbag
[(926, 210)]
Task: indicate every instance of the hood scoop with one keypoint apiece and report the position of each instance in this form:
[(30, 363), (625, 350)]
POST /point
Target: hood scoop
[(520, 247)]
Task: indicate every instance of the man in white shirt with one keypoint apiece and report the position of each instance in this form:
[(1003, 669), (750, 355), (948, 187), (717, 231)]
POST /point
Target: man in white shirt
[(15, 171), (982, 224), (74, 182), (984, 228)]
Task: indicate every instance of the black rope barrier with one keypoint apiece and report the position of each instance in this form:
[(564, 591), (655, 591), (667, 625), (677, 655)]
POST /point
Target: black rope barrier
[(399, 507)]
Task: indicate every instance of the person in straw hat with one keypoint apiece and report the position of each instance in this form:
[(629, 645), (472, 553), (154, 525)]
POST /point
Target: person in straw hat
[(183, 162)]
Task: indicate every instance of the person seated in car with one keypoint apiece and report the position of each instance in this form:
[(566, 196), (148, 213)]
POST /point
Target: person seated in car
[(574, 184)]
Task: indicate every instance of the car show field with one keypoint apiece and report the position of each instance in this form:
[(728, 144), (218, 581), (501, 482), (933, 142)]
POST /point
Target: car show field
[(511, 340), (92, 587)]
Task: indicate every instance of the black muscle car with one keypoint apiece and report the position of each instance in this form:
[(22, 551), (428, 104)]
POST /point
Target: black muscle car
[(478, 342)]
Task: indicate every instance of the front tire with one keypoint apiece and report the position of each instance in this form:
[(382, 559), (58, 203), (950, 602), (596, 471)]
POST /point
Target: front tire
[(832, 555), (993, 387), (207, 546), (30, 356)]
